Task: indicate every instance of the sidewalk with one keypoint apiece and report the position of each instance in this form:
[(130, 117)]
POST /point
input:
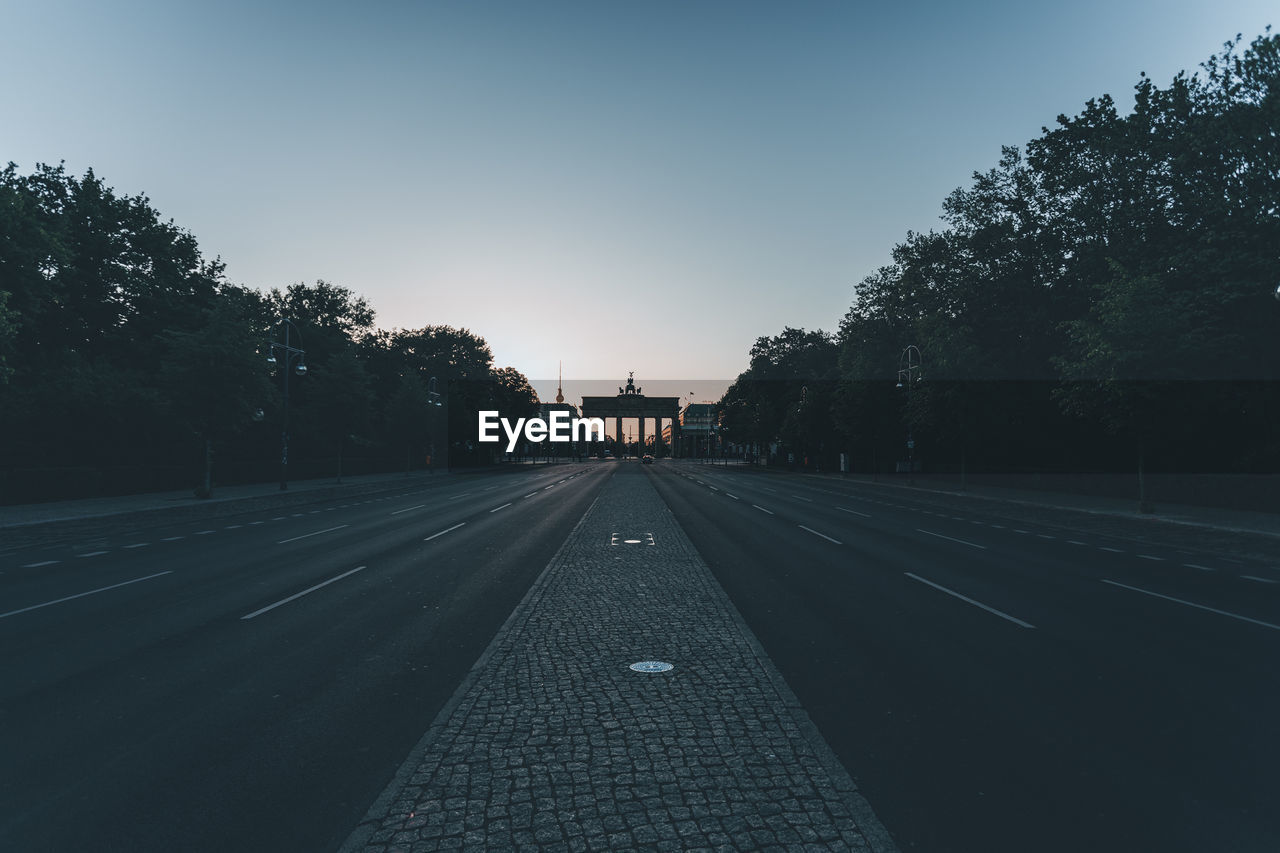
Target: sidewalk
[(553, 742), (19, 515), (1208, 517)]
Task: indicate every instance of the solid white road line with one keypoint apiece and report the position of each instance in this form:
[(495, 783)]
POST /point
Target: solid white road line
[(961, 541), (317, 533), (408, 509), (496, 508), (83, 594), (823, 535), (762, 509), (298, 595), (853, 511), (1193, 604), (964, 598), (443, 532)]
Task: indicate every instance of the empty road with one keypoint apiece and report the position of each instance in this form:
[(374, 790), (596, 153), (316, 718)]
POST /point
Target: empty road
[(994, 678)]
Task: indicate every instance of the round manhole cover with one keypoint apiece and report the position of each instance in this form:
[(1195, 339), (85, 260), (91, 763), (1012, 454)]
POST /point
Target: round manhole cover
[(652, 666)]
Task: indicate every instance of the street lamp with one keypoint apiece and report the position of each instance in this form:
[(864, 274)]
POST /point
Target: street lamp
[(290, 354), (909, 375), (433, 399)]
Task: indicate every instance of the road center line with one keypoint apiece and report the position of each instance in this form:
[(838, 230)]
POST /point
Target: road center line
[(443, 532), (964, 598), (961, 541), (496, 508), (317, 533), (823, 535), (408, 509), (83, 594), (298, 595), (1193, 604), (762, 509), (853, 512)]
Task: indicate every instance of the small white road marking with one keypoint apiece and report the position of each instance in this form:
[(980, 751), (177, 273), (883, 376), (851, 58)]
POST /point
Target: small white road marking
[(1016, 530), (298, 595), (952, 539), (1193, 604), (463, 495), (83, 594), (823, 535), (727, 495), (1201, 568), (316, 533), (42, 563), (171, 539), (965, 598), (762, 509), (1074, 542), (204, 532), (1112, 550), (496, 508), (138, 545), (1046, 536), (233, 527), (853, 511), (443, 532), (91, 554), (714, 489), (806, 500), (256, 523), (1258, 579), (531, 494), (998, 526), (1149, 557), (408, 509)]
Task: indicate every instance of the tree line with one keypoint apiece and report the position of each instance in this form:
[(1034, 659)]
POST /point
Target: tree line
[(128, 362), (1103, 299)]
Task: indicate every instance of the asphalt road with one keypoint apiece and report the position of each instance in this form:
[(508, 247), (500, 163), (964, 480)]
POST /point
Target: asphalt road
[(1009, 684), (253, 684), (993, 680)]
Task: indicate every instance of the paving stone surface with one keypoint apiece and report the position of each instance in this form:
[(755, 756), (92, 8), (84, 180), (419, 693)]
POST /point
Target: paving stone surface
[(553, 743)]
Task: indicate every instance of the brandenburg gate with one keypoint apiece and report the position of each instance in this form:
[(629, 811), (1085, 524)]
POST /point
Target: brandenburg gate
[(630, 403)]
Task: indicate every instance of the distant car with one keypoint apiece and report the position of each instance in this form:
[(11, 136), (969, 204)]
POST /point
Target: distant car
[(647, 459)]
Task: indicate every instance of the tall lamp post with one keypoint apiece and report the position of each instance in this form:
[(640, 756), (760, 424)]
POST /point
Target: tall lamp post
[(909, 375), (290, 354)]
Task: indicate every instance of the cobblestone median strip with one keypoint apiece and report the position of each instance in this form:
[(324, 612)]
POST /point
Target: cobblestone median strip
[(553, 742)]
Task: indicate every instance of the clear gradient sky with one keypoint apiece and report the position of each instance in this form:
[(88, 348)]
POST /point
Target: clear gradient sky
[(620, 186)]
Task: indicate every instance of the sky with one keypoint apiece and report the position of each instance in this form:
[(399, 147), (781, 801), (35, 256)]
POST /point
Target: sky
[(614, 186)]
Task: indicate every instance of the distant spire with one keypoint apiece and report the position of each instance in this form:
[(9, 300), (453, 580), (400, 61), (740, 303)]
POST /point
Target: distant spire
[(559, 383)]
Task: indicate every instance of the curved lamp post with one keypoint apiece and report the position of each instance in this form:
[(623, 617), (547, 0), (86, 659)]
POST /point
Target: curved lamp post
[(290, 354), (909, 375)]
